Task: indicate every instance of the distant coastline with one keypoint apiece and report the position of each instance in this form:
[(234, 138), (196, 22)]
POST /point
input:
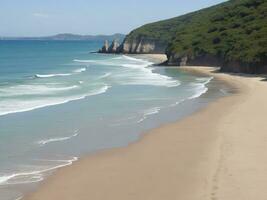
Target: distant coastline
[(70, 37)]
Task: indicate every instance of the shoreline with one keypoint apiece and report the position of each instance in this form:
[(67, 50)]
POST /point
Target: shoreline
[(152, 118), (145, 169)]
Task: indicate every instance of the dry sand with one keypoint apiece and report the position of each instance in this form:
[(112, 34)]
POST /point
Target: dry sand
[(218, 153)]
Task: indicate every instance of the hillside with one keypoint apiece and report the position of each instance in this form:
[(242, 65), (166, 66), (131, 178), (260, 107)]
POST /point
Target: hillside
[(232, 35)]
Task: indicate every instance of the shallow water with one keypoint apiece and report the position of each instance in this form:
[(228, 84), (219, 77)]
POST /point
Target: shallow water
[(58, 102)]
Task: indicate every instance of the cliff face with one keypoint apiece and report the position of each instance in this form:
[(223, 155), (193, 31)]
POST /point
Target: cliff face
[(113, 48), (105, 47), (232, 35), (235, 66), (186, 60), (142, 46), (136, 46), (245, 67)]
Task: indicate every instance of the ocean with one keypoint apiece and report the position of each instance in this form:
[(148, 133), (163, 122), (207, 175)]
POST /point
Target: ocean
[(59, 102)]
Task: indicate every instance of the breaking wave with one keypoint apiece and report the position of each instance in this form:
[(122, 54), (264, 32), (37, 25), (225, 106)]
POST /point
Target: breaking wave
[(200, 88), (50, 75), (22, 90), (57, 139), (22, 105), (150, 111), (32, 176), (80, 70)]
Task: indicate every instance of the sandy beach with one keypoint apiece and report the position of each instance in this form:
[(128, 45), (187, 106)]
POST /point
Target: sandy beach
[(217, 153)]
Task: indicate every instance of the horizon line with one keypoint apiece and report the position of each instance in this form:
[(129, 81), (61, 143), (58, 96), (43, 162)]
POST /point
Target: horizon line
[(66, 33)]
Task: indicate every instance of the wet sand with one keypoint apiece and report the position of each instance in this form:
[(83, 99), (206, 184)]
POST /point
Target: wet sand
[(217, 153)]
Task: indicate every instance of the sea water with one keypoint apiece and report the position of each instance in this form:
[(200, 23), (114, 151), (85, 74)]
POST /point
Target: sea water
[(59, 102)]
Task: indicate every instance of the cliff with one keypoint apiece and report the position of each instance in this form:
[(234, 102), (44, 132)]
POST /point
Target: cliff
[(138, 46), (143, 45), (113, 48), (232, 35), (235, 66), (105, 48)]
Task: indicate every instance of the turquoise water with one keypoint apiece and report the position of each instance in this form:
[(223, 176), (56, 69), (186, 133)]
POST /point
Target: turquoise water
[(59, 102)]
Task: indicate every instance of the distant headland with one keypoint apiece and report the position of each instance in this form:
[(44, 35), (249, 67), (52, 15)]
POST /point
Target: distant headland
[(232, 35)]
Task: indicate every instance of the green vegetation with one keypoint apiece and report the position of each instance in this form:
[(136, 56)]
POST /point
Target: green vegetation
[(234, 30)]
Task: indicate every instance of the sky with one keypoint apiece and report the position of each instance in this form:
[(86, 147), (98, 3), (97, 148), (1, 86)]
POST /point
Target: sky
[(88, 17)]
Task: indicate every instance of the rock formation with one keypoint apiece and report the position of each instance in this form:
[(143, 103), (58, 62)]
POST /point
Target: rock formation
[(105, 47), (236, 66), (137, 46), (231, 35), (113, 48), (142, 45)]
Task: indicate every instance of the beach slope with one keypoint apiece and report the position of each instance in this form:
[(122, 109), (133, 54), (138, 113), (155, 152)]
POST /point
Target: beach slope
[(216, 153)]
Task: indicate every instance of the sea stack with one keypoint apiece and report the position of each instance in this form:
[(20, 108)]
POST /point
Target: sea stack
[(105, 47), (113, 48)]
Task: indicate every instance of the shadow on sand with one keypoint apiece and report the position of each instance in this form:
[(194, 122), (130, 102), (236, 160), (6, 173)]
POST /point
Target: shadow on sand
[(262, 76)]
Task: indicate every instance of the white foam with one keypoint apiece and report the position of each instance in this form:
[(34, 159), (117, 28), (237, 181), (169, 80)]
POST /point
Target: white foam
[(50, 75), (146, 76), (56, 139), (141, 73), (150, 111), (101, 62), (118, 58), (205, 80), (84, 61), (101, 90), (134, 59), (32, 176), (200, 88), (80, 70), (199, 93), (21, 90), (16, 105), (137, 66)]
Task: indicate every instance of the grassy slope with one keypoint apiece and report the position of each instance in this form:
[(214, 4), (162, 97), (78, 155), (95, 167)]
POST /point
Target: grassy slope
[(234, 30)]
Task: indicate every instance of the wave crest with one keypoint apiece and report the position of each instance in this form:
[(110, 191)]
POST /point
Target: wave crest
[(84, 61), (150, 111), (50, 75), (33, 176), (57, 139), (201, 87), (80, 70), (21, 105), (22, 90)]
